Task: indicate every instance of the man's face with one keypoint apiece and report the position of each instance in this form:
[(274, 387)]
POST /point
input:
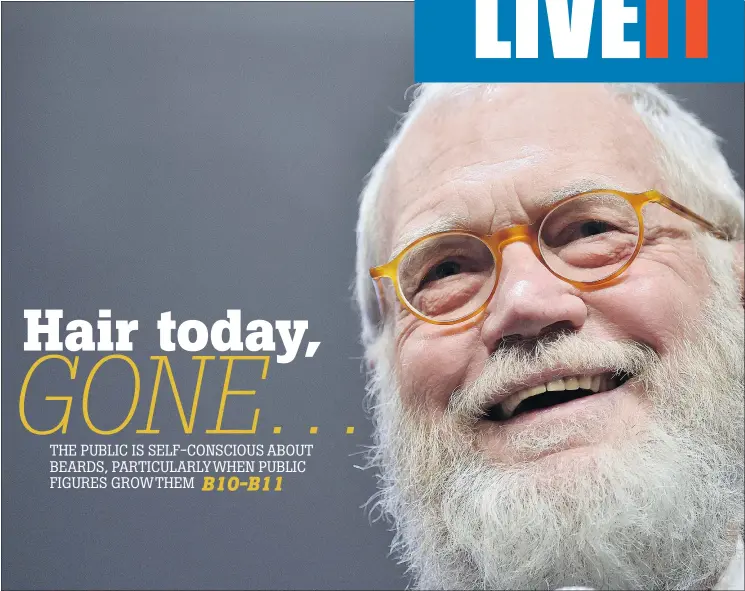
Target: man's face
[(493, 163), (488, 501)]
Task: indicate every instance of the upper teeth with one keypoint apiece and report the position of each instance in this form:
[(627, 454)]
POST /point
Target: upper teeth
[(573, 383)]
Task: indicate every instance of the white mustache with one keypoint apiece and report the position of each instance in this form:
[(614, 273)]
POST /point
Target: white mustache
[(508, 367)]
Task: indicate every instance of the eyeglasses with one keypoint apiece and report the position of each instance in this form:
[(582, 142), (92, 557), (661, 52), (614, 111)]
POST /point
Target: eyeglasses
[(587, 240)]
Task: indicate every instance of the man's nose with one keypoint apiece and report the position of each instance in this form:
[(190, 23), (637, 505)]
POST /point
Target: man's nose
[(530, 300)]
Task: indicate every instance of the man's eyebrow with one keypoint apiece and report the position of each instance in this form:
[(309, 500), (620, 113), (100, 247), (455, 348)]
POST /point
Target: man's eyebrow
[(454, 221), (445, 223), (573, 188)]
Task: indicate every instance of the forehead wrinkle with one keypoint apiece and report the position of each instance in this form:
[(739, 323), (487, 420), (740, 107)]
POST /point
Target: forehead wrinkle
[(478, 171), (426, 167), (485, 171)]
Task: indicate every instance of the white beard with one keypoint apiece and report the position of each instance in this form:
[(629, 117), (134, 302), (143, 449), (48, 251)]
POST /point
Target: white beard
[(659, 506)]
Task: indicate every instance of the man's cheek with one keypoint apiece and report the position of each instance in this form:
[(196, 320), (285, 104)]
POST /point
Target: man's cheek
[(431, 368), (651, 305)]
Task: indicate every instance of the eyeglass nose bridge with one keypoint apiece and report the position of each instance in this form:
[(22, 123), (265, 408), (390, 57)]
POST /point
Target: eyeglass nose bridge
[(527, 233), (522, 233)]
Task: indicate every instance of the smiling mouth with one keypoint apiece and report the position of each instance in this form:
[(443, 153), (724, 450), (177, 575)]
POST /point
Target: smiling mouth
[(553, 393)]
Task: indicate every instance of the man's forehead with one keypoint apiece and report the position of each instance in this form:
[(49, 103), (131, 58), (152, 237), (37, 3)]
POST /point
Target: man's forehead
[(517, 124), (541, 140)]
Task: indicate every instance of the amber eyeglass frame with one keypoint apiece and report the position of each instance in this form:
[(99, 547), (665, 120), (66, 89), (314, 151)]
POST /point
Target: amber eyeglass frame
[(529, 233)]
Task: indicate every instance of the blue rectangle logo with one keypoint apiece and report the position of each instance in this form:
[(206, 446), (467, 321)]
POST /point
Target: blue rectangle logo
[(579, 41)]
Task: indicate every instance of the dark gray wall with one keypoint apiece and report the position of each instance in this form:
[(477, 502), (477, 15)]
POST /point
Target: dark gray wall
[(194, 158)]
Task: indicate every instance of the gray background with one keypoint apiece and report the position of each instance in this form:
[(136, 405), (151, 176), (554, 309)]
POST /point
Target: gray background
[(195, 158)]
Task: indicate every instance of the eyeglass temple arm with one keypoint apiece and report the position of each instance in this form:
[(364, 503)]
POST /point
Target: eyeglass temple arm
[(376, 279), (689, 215), (377, 274)]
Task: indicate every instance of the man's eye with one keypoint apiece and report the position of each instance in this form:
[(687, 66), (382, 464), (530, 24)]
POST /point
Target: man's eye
[(577, 231), (440, 271), (593, 227)]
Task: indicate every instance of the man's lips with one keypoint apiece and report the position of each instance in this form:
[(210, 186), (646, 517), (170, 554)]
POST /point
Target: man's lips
[(550, 390)]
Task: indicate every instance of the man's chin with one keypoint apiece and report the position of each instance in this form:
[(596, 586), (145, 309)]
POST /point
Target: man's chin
[(597, 502)]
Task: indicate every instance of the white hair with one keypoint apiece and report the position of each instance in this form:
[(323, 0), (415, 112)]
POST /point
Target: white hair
[(688, 153)]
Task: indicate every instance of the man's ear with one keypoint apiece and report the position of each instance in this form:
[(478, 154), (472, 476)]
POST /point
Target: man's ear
[(739, 263)]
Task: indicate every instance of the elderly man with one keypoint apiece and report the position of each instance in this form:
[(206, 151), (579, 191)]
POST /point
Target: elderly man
[(550, 280)]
